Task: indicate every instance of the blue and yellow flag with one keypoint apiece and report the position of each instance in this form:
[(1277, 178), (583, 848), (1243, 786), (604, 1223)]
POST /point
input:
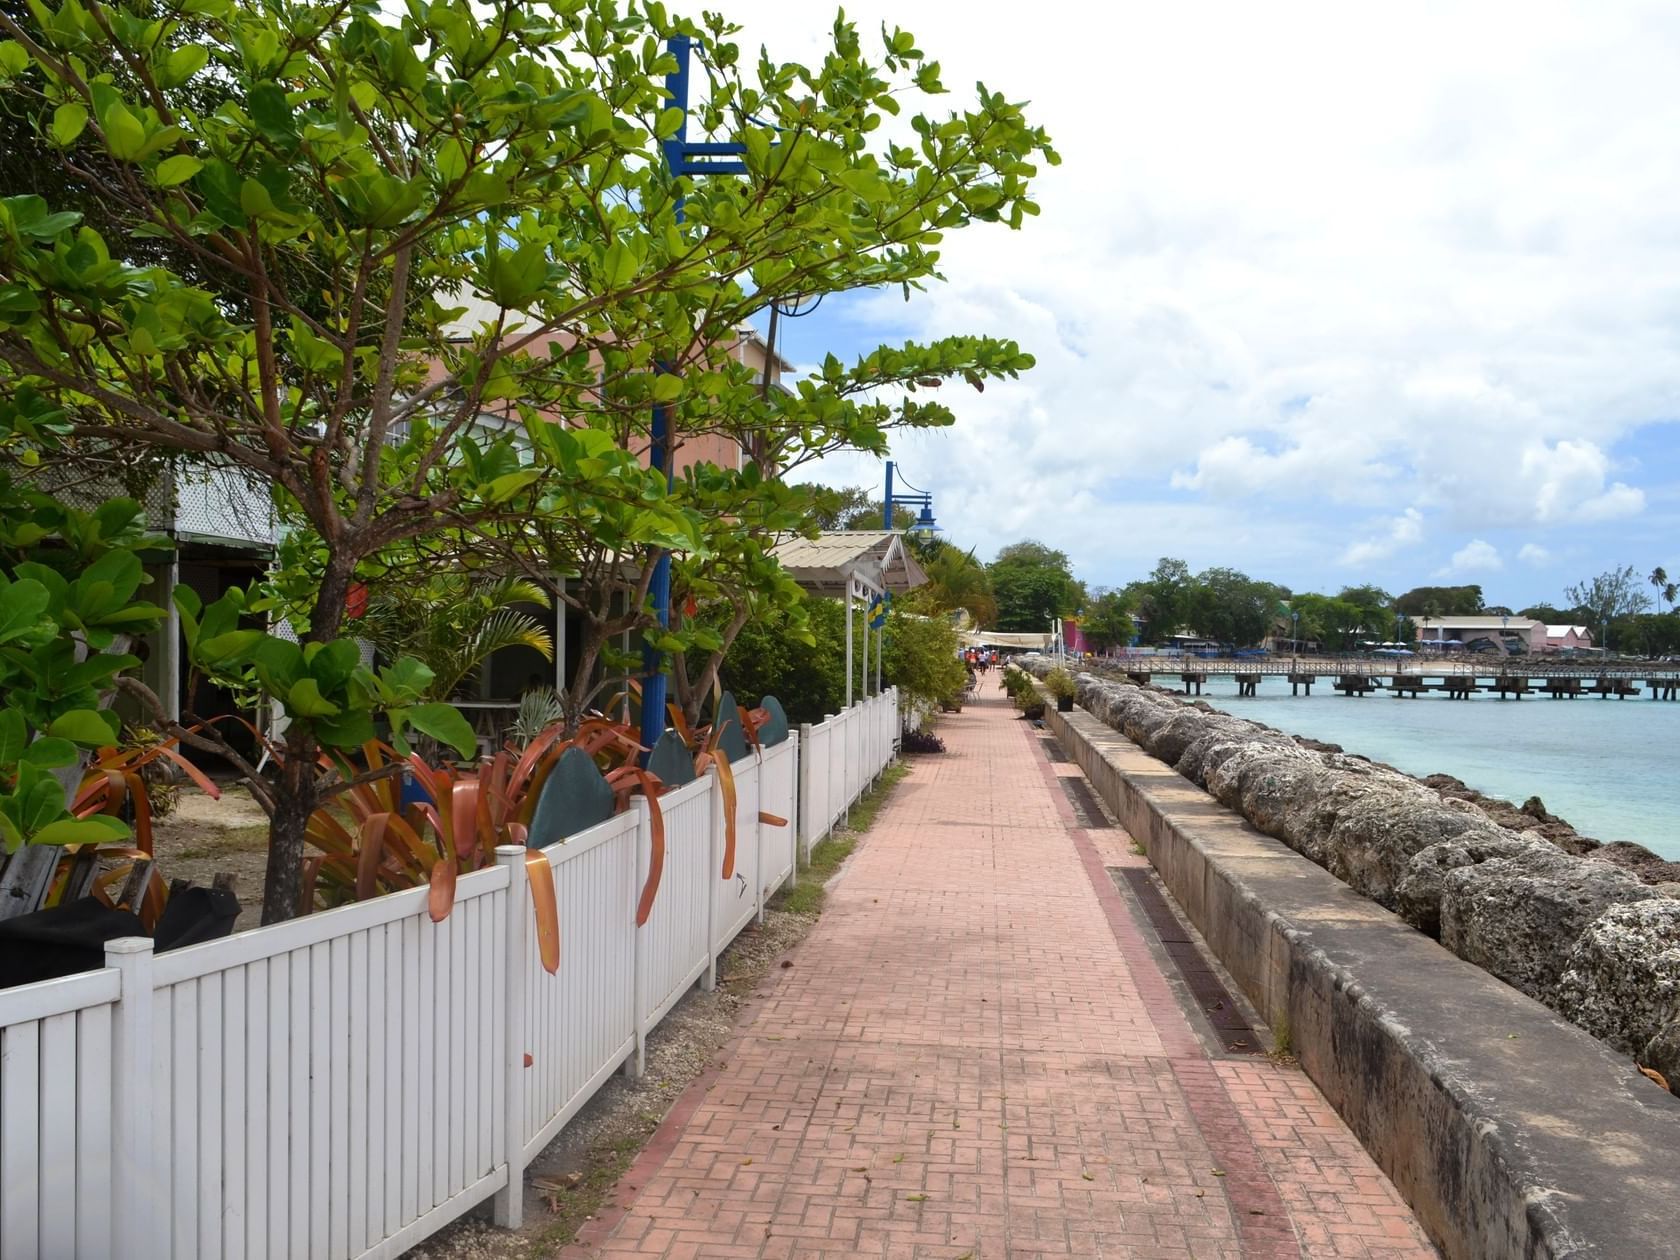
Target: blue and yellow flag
[(877, 613)]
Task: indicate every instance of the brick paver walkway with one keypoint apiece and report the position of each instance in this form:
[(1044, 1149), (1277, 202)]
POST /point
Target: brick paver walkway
[(975, 1055)]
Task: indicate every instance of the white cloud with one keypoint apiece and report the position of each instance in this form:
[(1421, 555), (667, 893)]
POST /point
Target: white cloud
[(1568, 484), (1534, 555), (1476, 556), (1322, 268), (1403, 531)]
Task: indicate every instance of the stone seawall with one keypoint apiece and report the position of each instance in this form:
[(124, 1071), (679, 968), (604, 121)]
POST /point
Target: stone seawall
[(1510, 1131), (1579, 933)]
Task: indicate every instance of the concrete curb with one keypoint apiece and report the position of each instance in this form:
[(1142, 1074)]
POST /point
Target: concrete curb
[(1509, 1131)]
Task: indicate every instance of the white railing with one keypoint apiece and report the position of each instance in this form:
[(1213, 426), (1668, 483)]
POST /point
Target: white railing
[(845, 754), (345, 1085)]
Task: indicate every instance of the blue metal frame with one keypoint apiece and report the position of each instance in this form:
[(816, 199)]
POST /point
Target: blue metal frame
[(917, 498), (681, 159)]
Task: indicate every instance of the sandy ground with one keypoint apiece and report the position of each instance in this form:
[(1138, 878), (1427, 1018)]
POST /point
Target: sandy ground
[(201, 838)]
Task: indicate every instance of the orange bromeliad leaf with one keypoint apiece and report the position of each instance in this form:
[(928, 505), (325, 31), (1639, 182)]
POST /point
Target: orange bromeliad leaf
[(442, 899), (152, 900), (463, 808), (192, 772), (373, 852), (306, 894), (726, 780), (650, 786), (656, 861), (540, 875)]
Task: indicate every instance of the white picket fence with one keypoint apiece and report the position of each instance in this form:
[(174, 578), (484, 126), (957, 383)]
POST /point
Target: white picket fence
[(844, 754), (344, 1085)]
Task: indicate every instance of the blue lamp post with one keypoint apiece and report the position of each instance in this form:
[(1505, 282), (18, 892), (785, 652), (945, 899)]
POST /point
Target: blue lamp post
[(682, 158), (925, 524)]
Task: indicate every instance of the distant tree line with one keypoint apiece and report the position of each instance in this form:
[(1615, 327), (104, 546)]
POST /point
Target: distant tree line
[(1028, 585)]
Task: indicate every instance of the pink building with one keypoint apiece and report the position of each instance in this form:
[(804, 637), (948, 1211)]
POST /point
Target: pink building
[(1558, 638)]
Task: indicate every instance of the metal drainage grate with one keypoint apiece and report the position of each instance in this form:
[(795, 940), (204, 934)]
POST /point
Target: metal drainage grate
[(1208, 991), (1086, 807), (1053, 748)]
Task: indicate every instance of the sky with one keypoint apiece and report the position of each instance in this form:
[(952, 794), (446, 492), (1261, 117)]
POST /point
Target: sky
[(1330, 293)]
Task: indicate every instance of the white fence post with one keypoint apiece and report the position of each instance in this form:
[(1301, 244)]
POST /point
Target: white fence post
[(636, 1065), (802, 804), (508, 1208), (135, 1169), (757, 825)]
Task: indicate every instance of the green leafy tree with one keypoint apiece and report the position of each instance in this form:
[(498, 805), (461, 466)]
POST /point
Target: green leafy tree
[(1610, 596), (1552, 615), (1164, 599), (807, 673), (1376, 609), (1440, 601), (1107, 622), (363, 179), (1649, 634), (1337, 623), (921, 658), (1231, 607), (1032, 585), (70, 583), (850, 507), (955, 580)]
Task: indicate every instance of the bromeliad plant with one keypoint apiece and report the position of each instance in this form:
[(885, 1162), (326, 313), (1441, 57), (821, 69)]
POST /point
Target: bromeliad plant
[(375, 838), (706, 743)]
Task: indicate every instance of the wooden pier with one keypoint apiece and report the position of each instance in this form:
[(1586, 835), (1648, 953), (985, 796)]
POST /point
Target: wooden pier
[(1456, 679)]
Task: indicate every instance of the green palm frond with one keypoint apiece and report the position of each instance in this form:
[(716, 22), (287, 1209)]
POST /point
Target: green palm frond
[(512, 628), (459, 660), (454, 623)]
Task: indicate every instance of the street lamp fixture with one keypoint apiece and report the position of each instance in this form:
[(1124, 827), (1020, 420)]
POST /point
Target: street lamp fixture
[(925, 524)]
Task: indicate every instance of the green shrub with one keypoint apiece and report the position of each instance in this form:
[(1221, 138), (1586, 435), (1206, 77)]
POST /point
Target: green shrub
[(808, 678), (922, 659)]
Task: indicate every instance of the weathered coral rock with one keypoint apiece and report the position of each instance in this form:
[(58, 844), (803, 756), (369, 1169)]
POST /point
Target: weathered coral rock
[(1169, 740), (1217, 742), (1662, 1054), (1418, 895), (1497, 883), (1531, 819), (1639, 861), (1622, 981), (1518, 917), (1376, 835)]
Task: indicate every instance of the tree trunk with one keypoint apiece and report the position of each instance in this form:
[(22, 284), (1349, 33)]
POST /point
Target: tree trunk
[(294, 801), (298, 792), (578, 690)]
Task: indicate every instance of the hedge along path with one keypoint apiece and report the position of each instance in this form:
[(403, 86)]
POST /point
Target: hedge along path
[(972, 1054)]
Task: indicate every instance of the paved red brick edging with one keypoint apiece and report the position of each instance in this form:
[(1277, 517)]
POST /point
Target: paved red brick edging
[(976, 1056)]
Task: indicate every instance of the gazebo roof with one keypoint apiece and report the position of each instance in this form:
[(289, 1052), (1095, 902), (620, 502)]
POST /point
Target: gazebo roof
[(877, 558)]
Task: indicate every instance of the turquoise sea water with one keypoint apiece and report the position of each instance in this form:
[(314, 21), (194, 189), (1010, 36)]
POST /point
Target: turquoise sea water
[(1611, 767)]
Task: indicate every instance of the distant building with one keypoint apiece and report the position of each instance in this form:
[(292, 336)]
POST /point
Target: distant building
[(1522, 634), (1559, 638)]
